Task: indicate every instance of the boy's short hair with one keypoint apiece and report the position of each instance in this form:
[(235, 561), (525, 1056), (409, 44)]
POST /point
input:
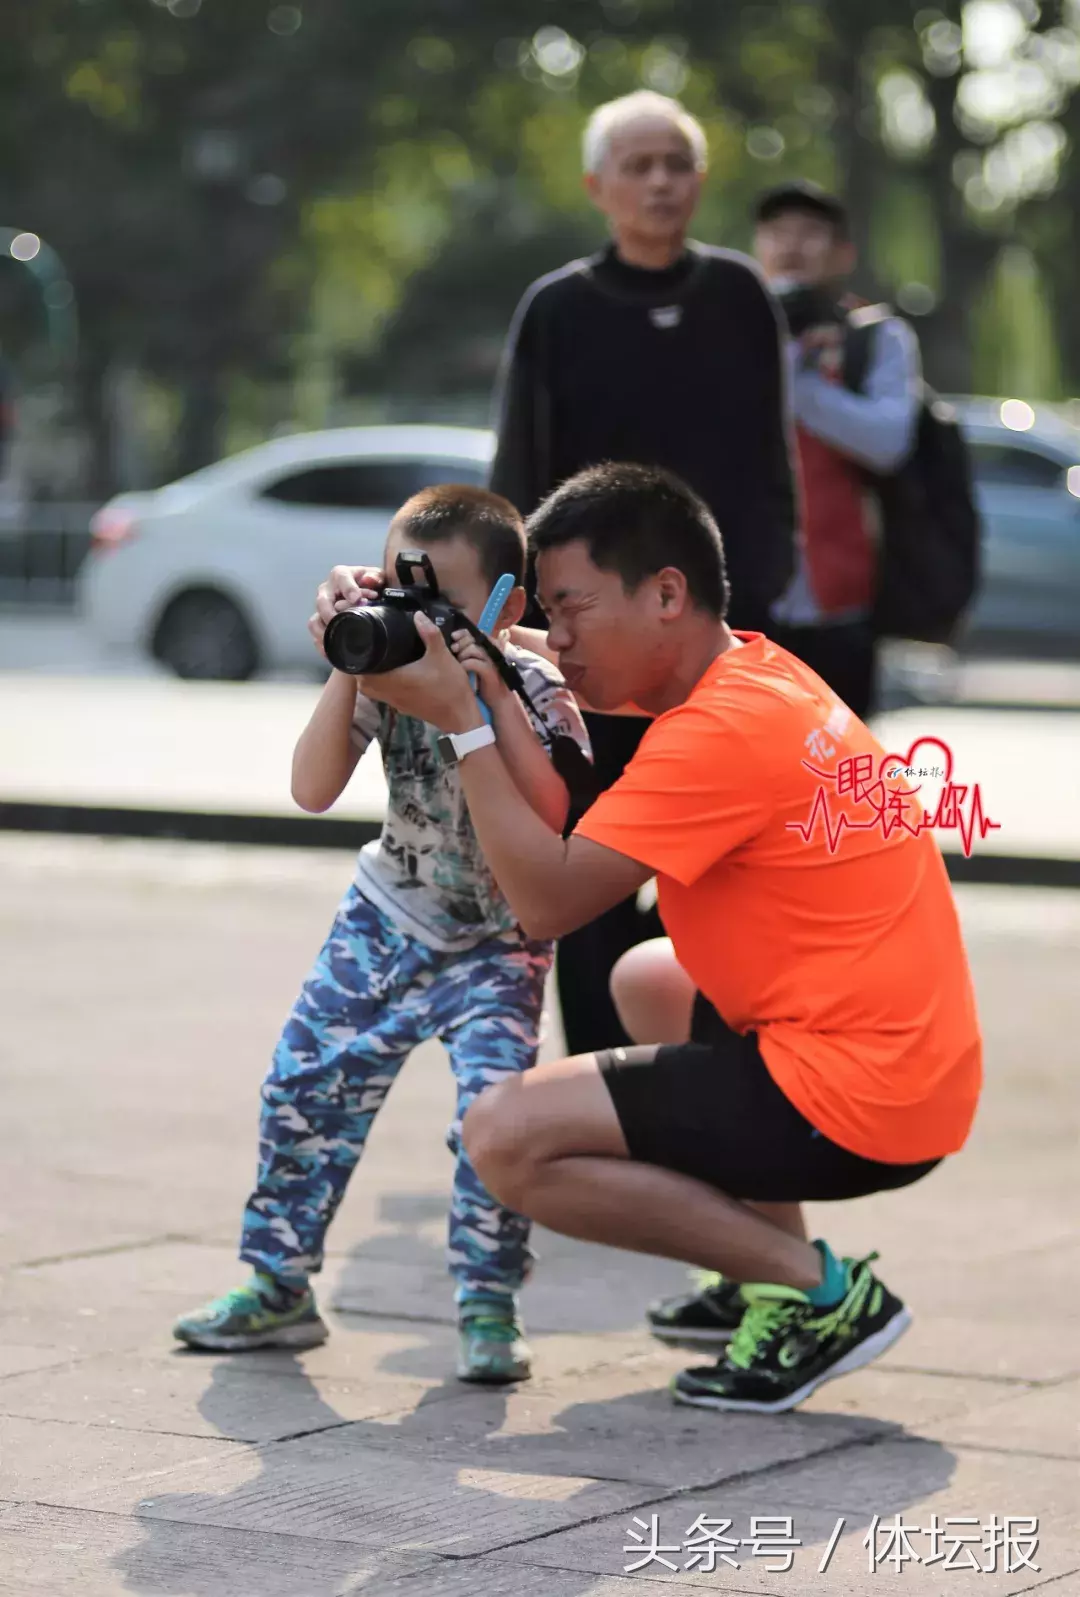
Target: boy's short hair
[(635, 520), (485, 520)]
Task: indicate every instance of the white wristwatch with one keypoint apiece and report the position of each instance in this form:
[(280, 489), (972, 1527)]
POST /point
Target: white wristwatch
[(453, 746)]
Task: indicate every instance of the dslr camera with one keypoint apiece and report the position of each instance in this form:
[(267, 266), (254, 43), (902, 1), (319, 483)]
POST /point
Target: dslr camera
[(807, 305), (381, 637)]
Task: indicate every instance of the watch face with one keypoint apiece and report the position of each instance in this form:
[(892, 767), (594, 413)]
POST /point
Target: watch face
[(447, 752)]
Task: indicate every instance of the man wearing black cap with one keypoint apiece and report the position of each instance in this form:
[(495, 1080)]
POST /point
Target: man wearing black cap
[(803, 243)]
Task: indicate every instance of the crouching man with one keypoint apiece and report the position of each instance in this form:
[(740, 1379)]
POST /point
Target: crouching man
[(823, 1043)]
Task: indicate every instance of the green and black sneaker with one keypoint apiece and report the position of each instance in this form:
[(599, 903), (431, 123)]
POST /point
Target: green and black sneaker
[(707, 1318), (492, 1349), (786, 1347), (261, 1313)]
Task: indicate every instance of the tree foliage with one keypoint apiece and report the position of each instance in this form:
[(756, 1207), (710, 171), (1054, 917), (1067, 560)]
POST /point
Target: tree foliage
[(286, 212)]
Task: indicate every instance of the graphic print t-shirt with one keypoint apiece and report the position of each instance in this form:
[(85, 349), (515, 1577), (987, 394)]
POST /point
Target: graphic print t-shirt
[(848, 962), (427, 870)]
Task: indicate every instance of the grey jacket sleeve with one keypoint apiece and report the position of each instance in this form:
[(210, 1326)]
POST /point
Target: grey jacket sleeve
[(875, 427)]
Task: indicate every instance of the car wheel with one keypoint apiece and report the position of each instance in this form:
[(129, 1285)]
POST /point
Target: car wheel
[(203, 636)]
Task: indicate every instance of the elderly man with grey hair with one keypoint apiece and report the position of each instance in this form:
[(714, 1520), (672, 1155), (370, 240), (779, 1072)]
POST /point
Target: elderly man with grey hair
[(664, 352)]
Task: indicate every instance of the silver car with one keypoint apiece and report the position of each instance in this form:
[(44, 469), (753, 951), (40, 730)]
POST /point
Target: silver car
[(1026, 467), (215, 575)]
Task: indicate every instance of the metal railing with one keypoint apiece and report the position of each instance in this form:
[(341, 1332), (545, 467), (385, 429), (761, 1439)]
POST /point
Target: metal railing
[(42, 547)]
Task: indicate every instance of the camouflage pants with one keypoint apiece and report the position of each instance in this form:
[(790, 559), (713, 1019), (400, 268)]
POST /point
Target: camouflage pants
[(373, 995)]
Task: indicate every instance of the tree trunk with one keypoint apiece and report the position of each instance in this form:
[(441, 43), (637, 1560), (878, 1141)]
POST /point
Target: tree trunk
[(199, 434), (967, 252)]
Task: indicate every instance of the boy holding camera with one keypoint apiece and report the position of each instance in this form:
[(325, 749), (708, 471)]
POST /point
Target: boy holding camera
[(423, 945)]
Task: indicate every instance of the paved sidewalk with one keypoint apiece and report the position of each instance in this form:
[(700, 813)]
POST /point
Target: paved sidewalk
[(144, 987), (202, 754)]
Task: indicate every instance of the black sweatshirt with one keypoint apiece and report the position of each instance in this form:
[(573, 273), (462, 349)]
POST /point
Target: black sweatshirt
[(680, 368)]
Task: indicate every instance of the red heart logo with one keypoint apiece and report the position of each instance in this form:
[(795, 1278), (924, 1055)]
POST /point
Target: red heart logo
[(906, 761)]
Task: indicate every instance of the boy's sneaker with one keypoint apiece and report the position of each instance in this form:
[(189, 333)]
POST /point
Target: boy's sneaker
[(491, 1342), (707, 1318), (785, 1347), (258, 1314)]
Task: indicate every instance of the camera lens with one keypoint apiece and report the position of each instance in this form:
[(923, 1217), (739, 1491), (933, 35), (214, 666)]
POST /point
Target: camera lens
[(372, 638), (355, 640)]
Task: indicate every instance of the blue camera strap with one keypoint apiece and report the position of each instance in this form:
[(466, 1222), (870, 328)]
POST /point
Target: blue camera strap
[(488, 617)]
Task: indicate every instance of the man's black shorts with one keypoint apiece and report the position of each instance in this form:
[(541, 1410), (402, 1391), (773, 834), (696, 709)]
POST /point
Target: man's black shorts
[(709, 1108)]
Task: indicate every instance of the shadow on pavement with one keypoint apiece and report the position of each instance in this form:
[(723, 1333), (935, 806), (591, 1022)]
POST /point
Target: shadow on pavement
[(464, 1463)]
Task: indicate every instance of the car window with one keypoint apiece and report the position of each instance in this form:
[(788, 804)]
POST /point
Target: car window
[(1003, 465), (369, 484)]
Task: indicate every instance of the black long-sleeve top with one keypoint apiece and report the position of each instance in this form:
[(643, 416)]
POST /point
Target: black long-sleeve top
[(681, 368)]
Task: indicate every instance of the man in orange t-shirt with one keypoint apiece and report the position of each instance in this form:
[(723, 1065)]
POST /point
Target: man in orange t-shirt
[(809, 1033)]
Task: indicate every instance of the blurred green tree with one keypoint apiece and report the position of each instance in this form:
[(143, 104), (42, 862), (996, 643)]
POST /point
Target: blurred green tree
[(301, 212)]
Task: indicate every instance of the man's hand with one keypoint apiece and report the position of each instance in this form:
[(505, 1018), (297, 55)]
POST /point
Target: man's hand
[(344, 589), (822, 346), (434, 688), (475, 658)]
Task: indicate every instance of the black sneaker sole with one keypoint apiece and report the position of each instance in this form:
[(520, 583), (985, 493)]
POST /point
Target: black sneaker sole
[(672, 1336), (865, 1352)]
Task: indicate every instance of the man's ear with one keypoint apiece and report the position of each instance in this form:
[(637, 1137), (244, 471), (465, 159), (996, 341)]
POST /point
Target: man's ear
[(591, 184), (513, 610), (672, 589)]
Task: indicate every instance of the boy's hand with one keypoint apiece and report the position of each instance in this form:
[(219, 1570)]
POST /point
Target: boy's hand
[(344, 589), (489, 684), (434, 688)]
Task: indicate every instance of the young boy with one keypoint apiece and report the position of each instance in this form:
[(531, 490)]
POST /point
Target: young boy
[(423, 945)]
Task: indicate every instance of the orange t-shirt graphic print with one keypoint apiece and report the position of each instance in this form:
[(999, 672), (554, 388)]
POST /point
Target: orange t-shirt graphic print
[(846, 956)]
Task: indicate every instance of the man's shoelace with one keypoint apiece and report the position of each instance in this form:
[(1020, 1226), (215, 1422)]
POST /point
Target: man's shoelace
[(758, 1325)]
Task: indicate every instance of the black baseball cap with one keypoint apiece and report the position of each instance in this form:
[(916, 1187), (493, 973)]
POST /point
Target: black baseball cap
[(802, 195)]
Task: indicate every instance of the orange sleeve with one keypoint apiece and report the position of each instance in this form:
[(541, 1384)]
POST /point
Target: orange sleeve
[(693, 792)]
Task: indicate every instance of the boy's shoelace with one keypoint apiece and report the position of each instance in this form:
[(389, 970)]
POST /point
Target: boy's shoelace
[(492, 1330)]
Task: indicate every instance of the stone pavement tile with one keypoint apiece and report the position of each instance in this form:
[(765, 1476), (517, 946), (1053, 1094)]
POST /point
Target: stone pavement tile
[(115, 1300), (912, 1479), (17, 1360), (58, 1552), (1049, 1275), (338, 1489), (1032, 1350), (491, 1577), (904, 1397), (576, 1287), (612, 1424), (251, 1398), (129, 1298), (58, 1462), (1045, 1421)]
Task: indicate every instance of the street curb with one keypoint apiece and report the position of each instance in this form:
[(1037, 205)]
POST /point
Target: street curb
[(195, 826), (313, 831)]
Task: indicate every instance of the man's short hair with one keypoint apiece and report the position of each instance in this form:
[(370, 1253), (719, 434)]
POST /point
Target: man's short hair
[(609, 120), (807, 198), (487, 521), (637, 520)]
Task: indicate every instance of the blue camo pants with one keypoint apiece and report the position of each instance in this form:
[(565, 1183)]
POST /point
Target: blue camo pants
[(373, 995)]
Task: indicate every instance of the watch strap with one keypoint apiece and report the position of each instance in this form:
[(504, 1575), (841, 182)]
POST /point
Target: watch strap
[(454, 746)]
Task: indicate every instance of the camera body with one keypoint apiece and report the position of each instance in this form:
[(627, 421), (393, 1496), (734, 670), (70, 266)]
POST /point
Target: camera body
[(807, 305), (373, 638)]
